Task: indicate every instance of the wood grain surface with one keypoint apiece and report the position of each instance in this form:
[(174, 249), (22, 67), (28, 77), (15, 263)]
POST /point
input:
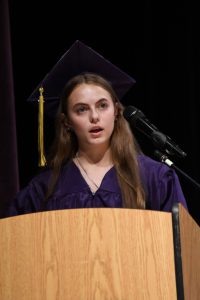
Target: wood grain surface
[(87, 254)]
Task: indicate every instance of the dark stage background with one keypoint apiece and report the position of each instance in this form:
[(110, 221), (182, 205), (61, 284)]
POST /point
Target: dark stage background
[(155, 44)]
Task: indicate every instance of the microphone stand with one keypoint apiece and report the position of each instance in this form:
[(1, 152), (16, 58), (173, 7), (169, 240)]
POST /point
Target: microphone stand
[(163, 158)]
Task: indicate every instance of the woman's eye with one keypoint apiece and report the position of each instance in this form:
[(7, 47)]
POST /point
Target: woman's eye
[(81, 109), (103, 105)]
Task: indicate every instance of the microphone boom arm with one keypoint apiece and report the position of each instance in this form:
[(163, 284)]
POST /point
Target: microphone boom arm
[(163, 158), (137, 119)]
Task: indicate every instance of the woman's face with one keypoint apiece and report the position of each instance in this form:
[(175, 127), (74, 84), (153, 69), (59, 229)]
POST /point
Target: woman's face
[(91, 114)]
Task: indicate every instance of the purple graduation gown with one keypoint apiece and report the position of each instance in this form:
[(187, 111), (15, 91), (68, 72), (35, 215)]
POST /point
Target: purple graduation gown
[(161, 186)]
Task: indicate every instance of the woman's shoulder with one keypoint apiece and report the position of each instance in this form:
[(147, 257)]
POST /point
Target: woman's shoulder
[(152, 171), (161, 184), (149, 164), (30, 197), (43, 176)]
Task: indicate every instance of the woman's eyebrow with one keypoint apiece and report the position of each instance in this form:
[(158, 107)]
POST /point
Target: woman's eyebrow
[(79, 103), (84, 103)]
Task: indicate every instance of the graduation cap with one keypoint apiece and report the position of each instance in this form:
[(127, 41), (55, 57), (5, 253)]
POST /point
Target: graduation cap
[(78, 59)]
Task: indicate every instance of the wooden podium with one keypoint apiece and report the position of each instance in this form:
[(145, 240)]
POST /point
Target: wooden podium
[(100, 253)]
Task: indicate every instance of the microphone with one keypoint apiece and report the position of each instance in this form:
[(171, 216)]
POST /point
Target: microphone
[(137, 119)]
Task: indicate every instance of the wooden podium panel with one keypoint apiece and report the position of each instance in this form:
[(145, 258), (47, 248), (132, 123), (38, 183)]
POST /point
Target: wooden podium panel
[(190, 253), (87, 254)]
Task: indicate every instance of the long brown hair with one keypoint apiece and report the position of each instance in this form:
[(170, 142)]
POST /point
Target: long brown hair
[(123, 146)]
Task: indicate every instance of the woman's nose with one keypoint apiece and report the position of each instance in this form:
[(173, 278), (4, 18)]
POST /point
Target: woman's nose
[(94, 116)]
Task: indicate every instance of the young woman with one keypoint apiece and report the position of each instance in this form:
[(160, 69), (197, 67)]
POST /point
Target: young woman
[(95, 161)]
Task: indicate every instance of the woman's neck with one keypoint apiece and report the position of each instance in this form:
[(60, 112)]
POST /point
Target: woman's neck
[(96, 155)]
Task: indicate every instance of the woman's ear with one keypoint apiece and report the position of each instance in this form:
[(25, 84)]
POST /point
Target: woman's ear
[(65, 122), (116, 110)]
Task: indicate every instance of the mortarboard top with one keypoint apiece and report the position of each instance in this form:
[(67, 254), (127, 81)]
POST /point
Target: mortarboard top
[(78, 59)]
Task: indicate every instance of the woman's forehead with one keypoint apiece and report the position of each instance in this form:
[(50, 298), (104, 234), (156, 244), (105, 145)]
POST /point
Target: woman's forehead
[(88, 92)]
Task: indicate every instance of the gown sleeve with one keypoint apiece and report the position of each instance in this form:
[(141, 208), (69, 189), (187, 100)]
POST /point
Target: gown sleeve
[(170, 189), (29, 199), (161, 185)]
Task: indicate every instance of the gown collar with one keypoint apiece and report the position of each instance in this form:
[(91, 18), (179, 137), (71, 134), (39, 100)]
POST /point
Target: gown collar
[(76, 183)]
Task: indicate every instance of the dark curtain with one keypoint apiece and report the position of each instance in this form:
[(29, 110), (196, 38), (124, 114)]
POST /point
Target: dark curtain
[(156, 43), (8, 146), (171, 84)]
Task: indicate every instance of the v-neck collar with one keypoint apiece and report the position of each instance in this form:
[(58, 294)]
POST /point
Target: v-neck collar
[(76, 182)]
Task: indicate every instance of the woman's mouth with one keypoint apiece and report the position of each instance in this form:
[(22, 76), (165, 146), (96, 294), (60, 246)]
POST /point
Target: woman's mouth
[(96, 131)]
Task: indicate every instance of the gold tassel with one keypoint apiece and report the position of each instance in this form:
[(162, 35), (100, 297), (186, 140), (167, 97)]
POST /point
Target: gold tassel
[(42, 159)]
